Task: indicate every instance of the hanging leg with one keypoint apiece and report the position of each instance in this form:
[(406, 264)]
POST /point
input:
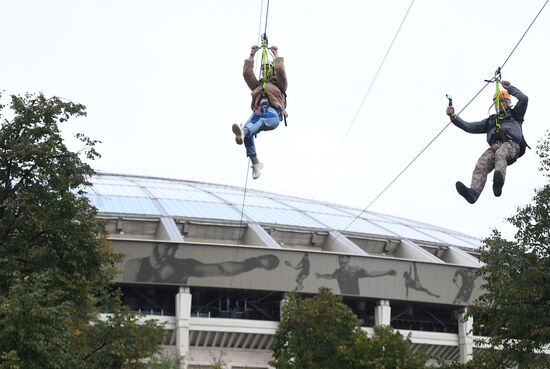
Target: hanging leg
[(266, 121), (484, 166), (505, 153)]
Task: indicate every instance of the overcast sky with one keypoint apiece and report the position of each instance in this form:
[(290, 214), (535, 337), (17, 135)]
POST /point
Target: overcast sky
[(162, 82)]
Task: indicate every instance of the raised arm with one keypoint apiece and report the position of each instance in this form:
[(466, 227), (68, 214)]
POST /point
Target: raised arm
[(521, 107), (248, 69), (279, 66)]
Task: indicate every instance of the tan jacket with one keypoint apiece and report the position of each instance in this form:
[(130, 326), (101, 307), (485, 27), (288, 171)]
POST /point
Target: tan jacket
[(274, 88)]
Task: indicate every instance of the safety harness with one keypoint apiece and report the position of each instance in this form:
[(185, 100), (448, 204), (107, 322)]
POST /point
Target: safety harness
[(500, 133), (501, 114), (267, 69)]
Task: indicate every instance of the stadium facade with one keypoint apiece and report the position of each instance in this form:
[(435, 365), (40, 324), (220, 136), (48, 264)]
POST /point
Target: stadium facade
[(214, 262)]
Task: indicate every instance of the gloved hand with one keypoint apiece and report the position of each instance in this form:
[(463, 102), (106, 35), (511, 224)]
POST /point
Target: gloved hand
[(253, 51), (450, 111), (506, 84), (275, 50)]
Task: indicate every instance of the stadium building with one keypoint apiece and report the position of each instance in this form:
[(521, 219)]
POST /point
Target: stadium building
[(214, 262)]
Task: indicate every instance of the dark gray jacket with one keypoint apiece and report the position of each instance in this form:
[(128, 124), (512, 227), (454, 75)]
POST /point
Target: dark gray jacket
[(511, 123)]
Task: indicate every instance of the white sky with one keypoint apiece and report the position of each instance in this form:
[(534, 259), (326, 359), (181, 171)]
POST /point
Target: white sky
[(162, 81)]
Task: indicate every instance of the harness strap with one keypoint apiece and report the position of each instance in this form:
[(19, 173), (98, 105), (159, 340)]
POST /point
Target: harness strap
[(497, 104), (264, 63)]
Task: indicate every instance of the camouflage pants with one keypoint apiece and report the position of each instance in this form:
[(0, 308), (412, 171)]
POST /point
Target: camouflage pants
[(496, 157)]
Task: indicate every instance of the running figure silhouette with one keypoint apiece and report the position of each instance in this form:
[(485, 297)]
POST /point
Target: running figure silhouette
[(303, 267)]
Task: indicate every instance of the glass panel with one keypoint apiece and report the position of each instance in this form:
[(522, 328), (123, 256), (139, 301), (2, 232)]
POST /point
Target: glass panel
[(313, 207), (116, 190), (113, 180), (237, 199), (197, 209), (121, 205), (159, 183), (359, 225), (406, 232), (447, 238), (218, 189), (365, 215), (183, 193), (474, 242), (280, 216)]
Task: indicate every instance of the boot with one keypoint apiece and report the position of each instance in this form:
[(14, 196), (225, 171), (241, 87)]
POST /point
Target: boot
[(469, 194), (498, 182)]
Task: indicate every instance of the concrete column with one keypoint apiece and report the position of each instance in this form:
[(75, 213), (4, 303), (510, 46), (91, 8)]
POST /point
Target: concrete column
[(282, 303), (183, 315), (382, 313), (465, 336)]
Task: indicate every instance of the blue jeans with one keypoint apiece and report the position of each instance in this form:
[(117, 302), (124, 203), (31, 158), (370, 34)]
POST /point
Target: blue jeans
[(267, 120)]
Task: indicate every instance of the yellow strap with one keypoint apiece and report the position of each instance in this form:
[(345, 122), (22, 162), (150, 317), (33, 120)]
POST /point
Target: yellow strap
[(264, 65), (497, 104)]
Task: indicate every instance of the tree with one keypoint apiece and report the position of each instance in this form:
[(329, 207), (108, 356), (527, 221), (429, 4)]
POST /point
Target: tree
[(312, 332), (513, 310), (386, 350), (55, 263), (323, 333), (483, 359)]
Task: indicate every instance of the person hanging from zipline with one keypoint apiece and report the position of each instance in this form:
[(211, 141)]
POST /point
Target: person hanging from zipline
[(268, 101), (504, 136)]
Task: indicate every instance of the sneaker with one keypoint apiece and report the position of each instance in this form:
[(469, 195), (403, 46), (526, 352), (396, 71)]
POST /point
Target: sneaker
[(469, 194), (257, 170), (238, 131), (498, 182)]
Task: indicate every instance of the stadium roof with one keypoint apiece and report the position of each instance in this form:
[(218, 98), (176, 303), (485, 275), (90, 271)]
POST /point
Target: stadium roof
[(125, 195)]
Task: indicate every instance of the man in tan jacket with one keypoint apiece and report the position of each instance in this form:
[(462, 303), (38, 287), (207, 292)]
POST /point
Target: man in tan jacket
[(268, 103)]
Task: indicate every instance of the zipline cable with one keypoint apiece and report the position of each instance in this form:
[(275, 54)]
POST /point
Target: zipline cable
[(364, 97), (247, 165), (382, 62), (410, 163), (524, 33), (244, 193), (497, 73), (249, 161), (260, 23), (266, 16)]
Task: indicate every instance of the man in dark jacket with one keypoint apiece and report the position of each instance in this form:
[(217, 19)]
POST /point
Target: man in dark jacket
[(268, 103), (504, 136)]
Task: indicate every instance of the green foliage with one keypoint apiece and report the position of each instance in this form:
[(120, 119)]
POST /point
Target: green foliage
[(117, 340), (513, 309), (219, 362), (55, 263), (323, 333), (483, 359), (165, 362), (313, 331), (386, 350)]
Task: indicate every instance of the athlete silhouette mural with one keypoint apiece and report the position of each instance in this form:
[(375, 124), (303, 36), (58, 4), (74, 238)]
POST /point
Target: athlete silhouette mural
[(467, 283), (348, 276), (303, 267), (163, 267), (412, 280)]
